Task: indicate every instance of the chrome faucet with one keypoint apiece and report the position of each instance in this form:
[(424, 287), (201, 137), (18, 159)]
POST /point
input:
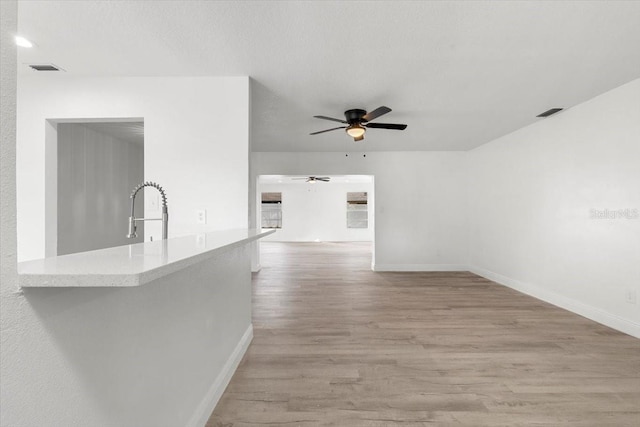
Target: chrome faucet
[(165, 215)]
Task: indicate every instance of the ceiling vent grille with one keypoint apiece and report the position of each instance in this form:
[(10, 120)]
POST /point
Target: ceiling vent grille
[(45, 67), (549, 112)]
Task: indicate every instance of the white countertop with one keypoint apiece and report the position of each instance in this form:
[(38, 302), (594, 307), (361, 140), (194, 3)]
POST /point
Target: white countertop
[(130, 265)]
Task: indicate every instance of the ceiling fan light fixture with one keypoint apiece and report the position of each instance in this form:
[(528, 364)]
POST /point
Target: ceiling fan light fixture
[(354, 120), (355, 130)]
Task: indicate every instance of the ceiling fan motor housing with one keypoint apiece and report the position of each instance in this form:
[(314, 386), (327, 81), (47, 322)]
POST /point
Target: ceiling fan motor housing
[(354, 116)]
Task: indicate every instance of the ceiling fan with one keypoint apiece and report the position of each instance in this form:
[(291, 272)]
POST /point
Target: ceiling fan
[(313, 179), (357, 122)]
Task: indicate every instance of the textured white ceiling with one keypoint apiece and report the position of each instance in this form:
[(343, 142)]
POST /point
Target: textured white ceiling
[(458, 73)]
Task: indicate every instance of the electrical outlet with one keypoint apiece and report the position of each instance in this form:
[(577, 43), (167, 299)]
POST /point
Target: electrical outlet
[(630, 296), (202, 216), (201, 241)]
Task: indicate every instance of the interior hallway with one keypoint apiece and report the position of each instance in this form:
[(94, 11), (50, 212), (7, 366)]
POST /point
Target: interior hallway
[(338, 344)]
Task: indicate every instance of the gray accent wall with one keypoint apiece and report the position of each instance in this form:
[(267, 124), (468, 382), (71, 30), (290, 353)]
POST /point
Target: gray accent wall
[(96, 173)]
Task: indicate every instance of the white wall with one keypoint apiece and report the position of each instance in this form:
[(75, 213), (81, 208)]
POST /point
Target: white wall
[(96, 173), (8, 278), (530, 199), (196, 145), (318, 211), (420, 218)]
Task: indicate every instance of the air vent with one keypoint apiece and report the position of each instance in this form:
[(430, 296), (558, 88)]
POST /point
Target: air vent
[(549, 112), (45, 67)]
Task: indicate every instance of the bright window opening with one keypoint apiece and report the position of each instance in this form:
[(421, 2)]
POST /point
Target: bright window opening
[(357, 210), (271, 210)]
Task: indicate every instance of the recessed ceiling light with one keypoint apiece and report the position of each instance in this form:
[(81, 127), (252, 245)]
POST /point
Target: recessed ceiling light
[(22, 42)]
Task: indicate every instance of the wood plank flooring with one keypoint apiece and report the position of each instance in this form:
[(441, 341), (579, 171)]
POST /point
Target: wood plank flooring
[(336, 344)]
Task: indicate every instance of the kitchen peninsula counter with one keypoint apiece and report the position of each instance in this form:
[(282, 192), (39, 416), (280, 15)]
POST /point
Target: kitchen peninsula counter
[(131, 265)]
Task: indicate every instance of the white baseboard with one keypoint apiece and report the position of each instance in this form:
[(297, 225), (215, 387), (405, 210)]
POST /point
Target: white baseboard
[(210, 400), (590, 312), (418, 267)]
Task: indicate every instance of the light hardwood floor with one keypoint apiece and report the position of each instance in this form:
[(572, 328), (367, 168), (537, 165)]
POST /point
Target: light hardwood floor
[(337, 344)]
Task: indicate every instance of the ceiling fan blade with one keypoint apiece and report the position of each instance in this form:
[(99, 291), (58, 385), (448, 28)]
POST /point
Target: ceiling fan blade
[(386, 126), (331, 118), (328, 130), (375, 113), (323, 178), (359, 138)]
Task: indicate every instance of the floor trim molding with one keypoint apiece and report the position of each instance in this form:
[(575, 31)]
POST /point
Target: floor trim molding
[(210, 400), (596, 314), (419, 267)]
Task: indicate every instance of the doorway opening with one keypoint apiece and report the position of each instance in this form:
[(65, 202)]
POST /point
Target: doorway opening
[(91, 167), (321, 208)]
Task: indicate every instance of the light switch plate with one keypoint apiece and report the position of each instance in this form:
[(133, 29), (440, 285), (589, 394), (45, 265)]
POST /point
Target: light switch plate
[(202, 216), (154, 202)]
